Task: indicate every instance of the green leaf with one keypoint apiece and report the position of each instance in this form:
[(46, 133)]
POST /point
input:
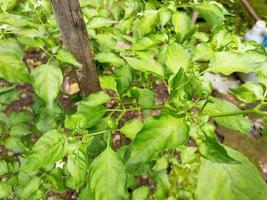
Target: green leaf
[(208, 145), (144, 97), (20, 117), (107, 165), (99, 22), (5, 190), (212, 12), (106, 43), (12, 67), (3, 168), (145, 65), (146, 23), (95, 99), (108, 82), (67, 57), (14, 20), (49, 149), (164, 16), (249, 92), (15, 144), (92, 114), (77, 167), (6, 5), (203, 52), (143, 44), (131, 128), (89, 112), (218, 181), (25, 191), (124, 78), (76, 122), (224, 39), (8, 96), (20, 130), (182, 24), (158, 134), (177, 57), (111, 58), (226, 62), (237, 122), (47, 81), (141, 193)]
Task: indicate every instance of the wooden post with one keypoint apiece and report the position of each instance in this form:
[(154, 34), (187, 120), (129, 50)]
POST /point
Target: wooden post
[(250, 10), (73, 30)]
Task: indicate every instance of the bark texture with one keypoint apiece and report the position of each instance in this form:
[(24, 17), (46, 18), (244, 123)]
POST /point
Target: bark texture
[(75, 38)]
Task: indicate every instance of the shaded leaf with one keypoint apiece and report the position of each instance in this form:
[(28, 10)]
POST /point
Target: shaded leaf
[(158, 134), (230, 181), (144, 97), (249, 92), (108, 164), (67, 57), (111, 58), (12, 67), (236, 122), (49, 149)]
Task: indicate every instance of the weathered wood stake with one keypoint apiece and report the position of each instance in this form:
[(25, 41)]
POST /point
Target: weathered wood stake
[(73, 30)]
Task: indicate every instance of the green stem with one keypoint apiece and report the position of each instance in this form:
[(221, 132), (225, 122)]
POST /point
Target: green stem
[(241, 112)]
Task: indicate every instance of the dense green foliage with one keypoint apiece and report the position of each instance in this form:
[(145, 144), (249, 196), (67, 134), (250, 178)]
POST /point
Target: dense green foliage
[(53, 148)]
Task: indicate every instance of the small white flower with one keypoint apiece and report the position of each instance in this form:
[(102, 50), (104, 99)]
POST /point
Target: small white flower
[(60, 164)]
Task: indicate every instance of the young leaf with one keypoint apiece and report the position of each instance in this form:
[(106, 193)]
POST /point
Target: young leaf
[(131, 128), (145, 65), (236, 122), (107, 178), (158, 134), (249, 92), (13, 69), (47, 81), (49, 149), (230, 181), (177, 57)]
